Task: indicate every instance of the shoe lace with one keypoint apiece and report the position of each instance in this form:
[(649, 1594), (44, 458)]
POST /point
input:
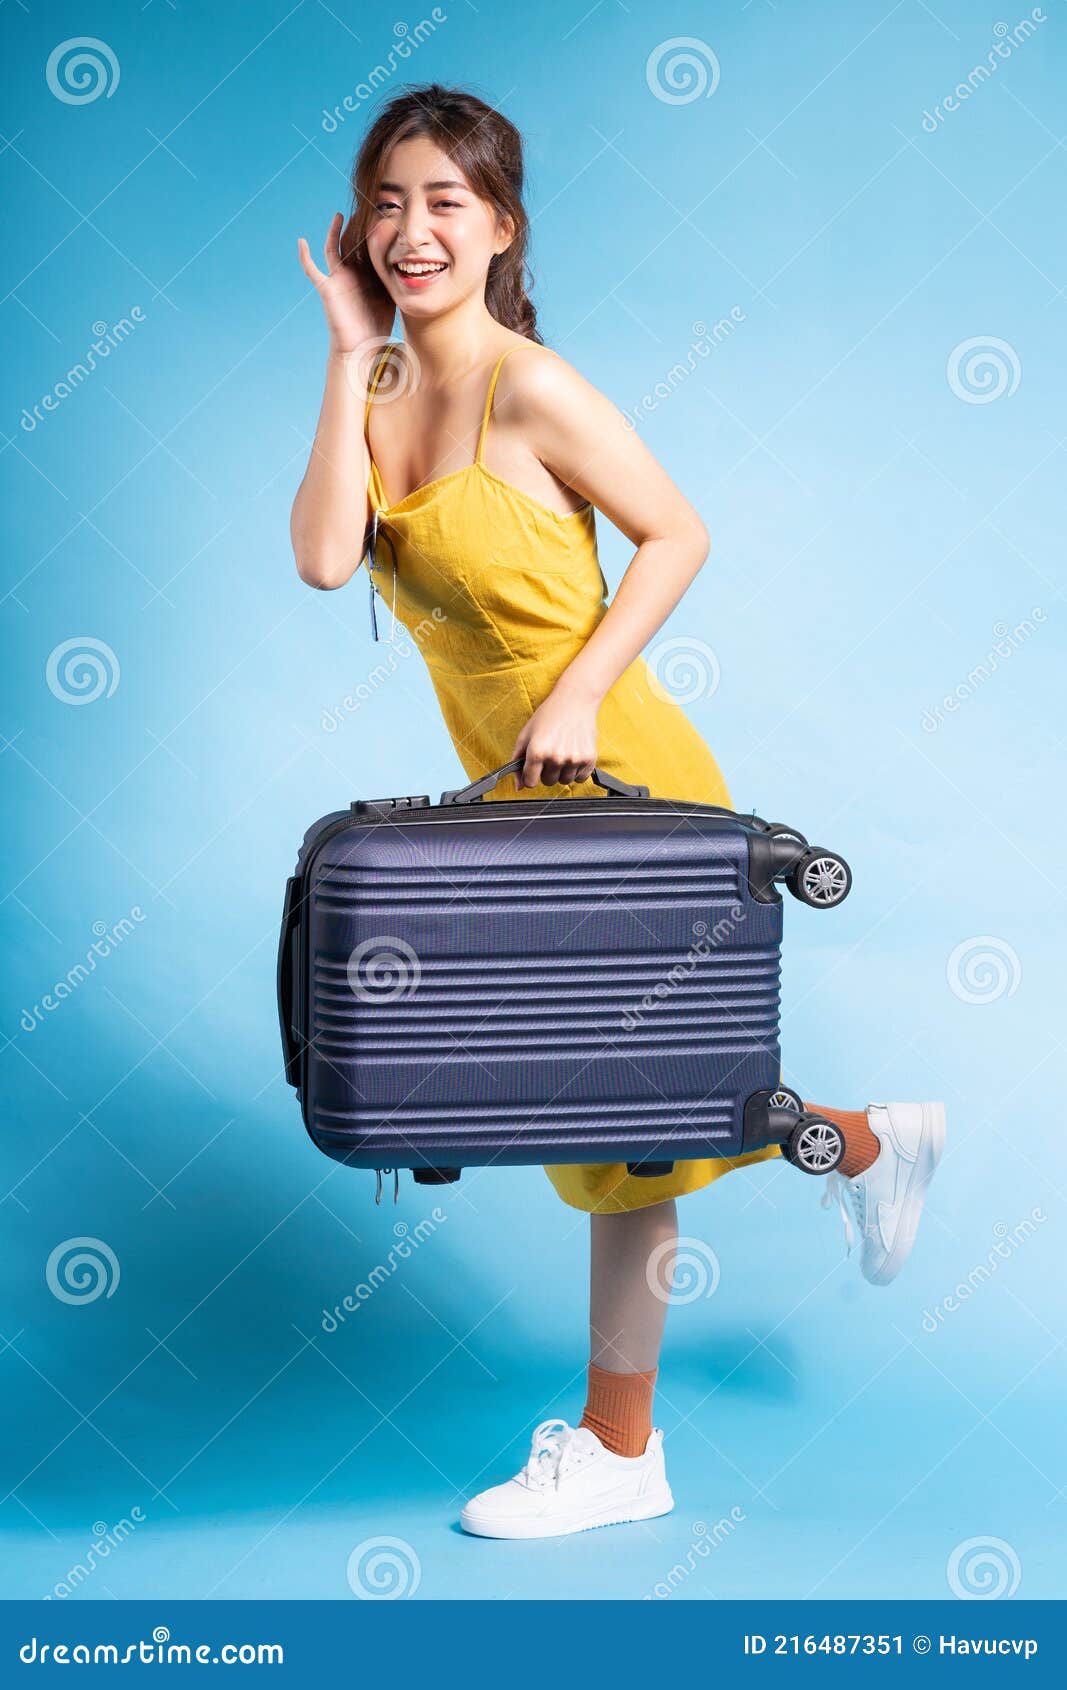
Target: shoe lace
[(840, 1188), (547, 1449)]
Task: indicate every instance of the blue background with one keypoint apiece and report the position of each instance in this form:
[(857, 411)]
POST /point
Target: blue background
[(869, 527)]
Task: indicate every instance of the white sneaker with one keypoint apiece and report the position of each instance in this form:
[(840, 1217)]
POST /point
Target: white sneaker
[(569, 1483), (887, 1198)]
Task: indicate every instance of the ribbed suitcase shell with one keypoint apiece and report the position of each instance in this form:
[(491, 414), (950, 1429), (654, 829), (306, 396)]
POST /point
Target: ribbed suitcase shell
[(518, 982)]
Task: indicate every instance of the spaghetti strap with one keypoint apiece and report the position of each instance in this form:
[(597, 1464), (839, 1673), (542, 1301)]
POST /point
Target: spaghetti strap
[(489, 398), (376, 377)]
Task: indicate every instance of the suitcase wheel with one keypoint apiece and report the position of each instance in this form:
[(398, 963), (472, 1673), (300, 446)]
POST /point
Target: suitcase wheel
[(649, 1170), (786, 1098), (815, 1145), (820, 878), (436, 1176)]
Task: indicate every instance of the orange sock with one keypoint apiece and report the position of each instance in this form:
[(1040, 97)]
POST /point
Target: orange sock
[(861, 1145), (618, 1408)]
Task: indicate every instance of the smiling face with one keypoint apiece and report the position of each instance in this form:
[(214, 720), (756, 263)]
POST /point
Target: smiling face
[(430, 238)]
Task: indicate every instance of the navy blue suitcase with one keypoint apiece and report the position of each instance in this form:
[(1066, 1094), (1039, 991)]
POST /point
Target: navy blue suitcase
[(535, 981)]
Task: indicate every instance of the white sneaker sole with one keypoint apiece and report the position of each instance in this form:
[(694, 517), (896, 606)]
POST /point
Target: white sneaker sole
[(644, 1508), (931, 1144)]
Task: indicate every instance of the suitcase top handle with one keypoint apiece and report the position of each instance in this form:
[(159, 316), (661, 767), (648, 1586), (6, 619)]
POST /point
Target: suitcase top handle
[(468, 794)]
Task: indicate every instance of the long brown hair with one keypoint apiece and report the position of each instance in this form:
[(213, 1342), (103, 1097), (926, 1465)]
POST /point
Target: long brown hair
[(488, 150)]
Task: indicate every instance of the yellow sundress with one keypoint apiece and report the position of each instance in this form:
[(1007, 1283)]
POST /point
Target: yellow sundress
[(518, 590)]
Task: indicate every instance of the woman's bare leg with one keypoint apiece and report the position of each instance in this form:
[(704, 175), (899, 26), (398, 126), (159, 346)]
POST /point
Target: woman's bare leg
[(626, 1314), (630, 1271)]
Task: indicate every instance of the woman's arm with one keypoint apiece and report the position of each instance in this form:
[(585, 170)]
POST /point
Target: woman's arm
[(578, 434), (330, 511)]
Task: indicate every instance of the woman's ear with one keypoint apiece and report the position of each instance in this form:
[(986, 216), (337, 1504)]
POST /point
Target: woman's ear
[(505, 234)]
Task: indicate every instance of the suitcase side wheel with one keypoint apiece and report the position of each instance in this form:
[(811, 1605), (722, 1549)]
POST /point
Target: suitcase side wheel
[(784, 1098), (815, 1145), (778, 830), (820, 878)]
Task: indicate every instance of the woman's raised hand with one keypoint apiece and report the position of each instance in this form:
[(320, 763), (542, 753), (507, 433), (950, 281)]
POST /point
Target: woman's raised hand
[(356, 313)]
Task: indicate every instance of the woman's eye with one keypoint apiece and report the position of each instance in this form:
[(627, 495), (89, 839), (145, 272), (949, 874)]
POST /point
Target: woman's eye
[(455, 204), (386, 205)]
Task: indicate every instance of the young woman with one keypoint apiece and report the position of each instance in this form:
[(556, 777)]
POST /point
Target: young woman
[(482, 457)]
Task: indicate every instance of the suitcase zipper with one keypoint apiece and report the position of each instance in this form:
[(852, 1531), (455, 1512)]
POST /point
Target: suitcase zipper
[(396, 1183)]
